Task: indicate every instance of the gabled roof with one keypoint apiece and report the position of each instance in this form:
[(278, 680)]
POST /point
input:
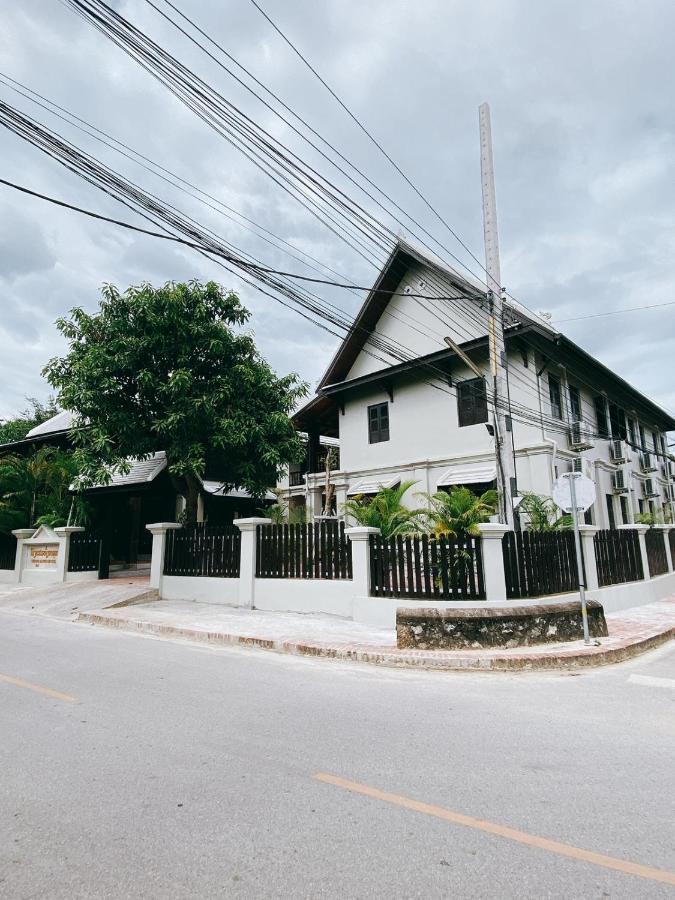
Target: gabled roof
[(401, 258), (62, 421), (142, 471)]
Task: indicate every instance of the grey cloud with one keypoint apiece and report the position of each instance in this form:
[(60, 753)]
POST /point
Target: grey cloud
[(581, 96)]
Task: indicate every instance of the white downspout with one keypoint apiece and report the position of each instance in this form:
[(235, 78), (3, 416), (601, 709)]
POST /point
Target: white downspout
[(547, 440)]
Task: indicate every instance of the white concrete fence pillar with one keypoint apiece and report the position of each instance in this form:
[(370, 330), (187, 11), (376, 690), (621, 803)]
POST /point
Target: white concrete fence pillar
[(64, 533), (159, 530), (642, 531), (359, 535), (491, 534), (587, 534), (21, 535), (247, 562), (666, 531)]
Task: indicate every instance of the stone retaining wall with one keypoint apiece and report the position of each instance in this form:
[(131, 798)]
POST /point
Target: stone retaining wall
[(515, 626)]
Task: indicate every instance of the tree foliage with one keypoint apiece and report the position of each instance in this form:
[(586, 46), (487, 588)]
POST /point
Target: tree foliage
[(169, 368), (16, 428), (542, 513), (35, 489), (457, 512)]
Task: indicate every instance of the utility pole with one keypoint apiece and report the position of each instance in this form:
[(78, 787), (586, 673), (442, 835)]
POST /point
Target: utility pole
[(502, 418)]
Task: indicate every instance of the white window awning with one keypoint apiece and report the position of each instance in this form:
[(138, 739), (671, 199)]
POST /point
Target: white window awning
[(372, 487), (470, 473)]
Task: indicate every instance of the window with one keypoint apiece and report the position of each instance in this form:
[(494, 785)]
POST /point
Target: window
[(631, 432), (617, 422), (471, 402), (655, 441), (378, 423), (625, 518), (643, 440), (555, 397), (575, 403), (601, 415), (610, 511)]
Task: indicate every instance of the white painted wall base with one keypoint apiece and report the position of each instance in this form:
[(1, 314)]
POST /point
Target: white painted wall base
[(204, 590), (333, 598), (381, 611), (81, 576), (8, 576)]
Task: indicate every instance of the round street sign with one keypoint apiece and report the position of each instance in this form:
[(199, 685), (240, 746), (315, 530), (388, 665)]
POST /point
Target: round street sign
[(584, 490)]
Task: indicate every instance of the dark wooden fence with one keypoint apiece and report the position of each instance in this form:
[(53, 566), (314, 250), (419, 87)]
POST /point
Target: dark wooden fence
[(7, 551), (85, 552), (438, 568), (656, 552), (539, 563), (203, 550), (618, 557), (320, 550)]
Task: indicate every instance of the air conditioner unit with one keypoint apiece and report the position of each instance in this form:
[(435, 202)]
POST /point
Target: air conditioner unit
[(619, 485), (617, 452), (580, 437), (584, 466), (649, 489), (647, 462)]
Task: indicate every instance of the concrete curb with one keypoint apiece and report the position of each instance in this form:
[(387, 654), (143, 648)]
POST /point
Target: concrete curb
[(418, 659)]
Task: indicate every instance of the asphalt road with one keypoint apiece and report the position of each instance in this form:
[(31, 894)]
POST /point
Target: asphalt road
[(137, 767)]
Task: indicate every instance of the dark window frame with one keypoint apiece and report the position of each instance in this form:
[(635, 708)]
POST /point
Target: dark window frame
[(471, 402), (555, 396), (601, 417), (378, 423), (575, 402)]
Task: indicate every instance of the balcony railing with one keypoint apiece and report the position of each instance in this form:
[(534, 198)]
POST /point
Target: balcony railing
[(296, 479)]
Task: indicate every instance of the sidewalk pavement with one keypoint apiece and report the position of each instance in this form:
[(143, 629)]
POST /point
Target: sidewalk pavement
[(631, 631)]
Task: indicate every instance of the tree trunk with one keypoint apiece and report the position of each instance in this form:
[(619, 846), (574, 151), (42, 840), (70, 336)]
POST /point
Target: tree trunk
[(193, 490)]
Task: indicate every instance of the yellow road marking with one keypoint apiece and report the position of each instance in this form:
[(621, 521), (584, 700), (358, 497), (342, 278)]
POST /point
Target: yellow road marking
[(47, 692), (513, 834)]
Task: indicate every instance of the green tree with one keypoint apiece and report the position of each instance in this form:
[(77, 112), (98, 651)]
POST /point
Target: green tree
[(542, 513), (16, 428), (386, 511), (36, 489), (168, 368), (457, 512)]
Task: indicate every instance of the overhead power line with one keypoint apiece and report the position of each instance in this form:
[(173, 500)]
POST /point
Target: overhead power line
[(226, 256), (368, 134), (617, 312)]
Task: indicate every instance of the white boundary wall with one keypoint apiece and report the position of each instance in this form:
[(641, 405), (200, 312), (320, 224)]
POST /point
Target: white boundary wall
[(334, 598), (350, 598), (203, 590)]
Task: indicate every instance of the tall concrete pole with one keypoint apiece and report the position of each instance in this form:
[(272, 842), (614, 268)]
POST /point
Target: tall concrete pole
[(502, 419)]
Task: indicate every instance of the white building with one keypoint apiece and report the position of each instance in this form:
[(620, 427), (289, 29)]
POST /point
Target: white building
[(402, 405)]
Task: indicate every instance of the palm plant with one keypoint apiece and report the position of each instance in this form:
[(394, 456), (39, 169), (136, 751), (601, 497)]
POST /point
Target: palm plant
[(542, 513), (457, 512), (35, 488), (386, 511)]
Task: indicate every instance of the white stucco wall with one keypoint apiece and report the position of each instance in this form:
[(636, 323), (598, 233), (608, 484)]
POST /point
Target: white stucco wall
[(425, 437), (333, 598), (205, 590)]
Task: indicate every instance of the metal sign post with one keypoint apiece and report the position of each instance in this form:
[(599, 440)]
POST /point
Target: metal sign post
[(575, 493), (580, 567)]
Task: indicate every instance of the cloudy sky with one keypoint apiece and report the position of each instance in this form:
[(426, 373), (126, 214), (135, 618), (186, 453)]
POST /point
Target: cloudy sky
[(583, 129)]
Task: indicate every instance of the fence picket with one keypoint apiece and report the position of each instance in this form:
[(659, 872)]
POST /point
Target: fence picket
[(204, 551), (441, 568)]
